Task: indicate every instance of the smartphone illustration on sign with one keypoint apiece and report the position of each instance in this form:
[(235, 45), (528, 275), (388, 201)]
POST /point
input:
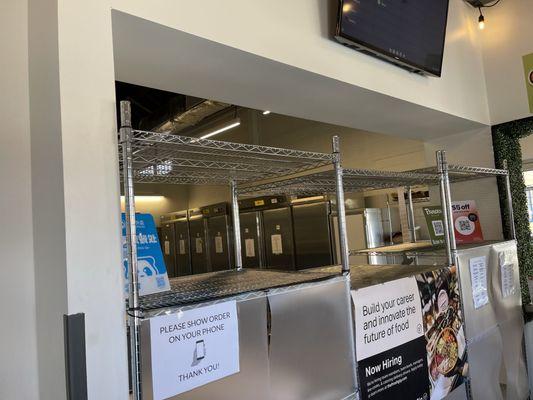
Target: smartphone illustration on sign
[(199, 352), (200, 349)]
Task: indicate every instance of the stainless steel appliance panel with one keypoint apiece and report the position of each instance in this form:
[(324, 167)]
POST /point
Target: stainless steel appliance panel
[(508, 309), (182, 248), (253, 248), (458, 393), (482, 319), (374, 234), (197, 238), (373, 228), (485, 358), (168, 246), (218, 233), (311, 345), (312, 235), (495, 330), (279, 239)]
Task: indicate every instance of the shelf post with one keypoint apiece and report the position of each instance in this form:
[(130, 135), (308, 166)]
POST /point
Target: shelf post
[(447, 214), (341, 212), (236, 225), (389, 216), (451, 245), (134, 314), (509, 201), (411, 214)]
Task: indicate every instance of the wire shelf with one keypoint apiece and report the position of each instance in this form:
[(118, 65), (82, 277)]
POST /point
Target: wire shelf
[(354, 180), (165, 158), (214, 285), (460, 173)]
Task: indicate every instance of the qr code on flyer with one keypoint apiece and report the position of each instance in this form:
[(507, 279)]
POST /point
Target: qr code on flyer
[(438, 228), (464, 225)]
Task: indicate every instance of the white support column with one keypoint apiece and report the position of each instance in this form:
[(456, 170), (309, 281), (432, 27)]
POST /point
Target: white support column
[(18, 344), (75, 187)]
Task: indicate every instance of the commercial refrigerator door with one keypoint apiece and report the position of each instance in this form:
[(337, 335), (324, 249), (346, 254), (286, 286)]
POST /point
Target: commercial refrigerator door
[(252, 241), (168, 246), (373, 228), (182, 248), (312, 235), (355, 232), (218, 228), (197, 237), (374, 234), (279, 239)]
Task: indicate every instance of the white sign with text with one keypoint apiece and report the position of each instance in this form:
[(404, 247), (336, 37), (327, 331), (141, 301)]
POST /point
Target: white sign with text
[(478, 276), (193, 348), (386, 316)]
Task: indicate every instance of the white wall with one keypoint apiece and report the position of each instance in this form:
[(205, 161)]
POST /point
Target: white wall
[(159, 199), (296, 33), (18, 347), (91, 190), (507, 37), (527, 149), (75, 191)]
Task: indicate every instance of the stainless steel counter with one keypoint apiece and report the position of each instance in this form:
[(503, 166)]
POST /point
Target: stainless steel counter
[(295, 334)]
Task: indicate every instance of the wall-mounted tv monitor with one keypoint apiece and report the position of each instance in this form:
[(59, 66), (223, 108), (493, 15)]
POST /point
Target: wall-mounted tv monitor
[(409, 33)]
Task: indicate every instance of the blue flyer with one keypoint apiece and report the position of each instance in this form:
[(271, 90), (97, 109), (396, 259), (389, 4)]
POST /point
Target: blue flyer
[(153, 276)]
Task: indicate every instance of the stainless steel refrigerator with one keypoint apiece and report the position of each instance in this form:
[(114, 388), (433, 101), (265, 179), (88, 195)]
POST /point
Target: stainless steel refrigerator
[(219, 228), (267, 233), (313, 238), (168, 245), (182, 248), (365, 230), (198, 242), (252, 239), (279, 238)]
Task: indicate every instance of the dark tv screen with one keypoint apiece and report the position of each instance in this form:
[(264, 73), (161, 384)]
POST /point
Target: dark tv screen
[(408, 32)]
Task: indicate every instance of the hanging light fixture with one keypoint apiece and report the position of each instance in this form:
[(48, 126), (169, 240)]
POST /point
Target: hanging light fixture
[(479, 4), (481, 20)]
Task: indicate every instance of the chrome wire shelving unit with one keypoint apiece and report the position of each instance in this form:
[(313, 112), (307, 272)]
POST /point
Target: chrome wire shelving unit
[(322, 181), (167, 158), (459, 173), (152, 157)]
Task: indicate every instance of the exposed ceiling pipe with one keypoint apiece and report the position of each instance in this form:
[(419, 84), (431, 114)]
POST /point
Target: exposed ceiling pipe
[(191, 117)]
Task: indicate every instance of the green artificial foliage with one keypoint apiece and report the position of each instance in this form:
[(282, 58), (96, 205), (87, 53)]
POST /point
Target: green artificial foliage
[(506, 143)]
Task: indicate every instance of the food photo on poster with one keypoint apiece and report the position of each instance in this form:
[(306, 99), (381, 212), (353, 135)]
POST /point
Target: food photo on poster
[(443, 330)]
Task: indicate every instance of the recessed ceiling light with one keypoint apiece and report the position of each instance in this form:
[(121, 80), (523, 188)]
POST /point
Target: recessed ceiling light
[(229, 125)]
